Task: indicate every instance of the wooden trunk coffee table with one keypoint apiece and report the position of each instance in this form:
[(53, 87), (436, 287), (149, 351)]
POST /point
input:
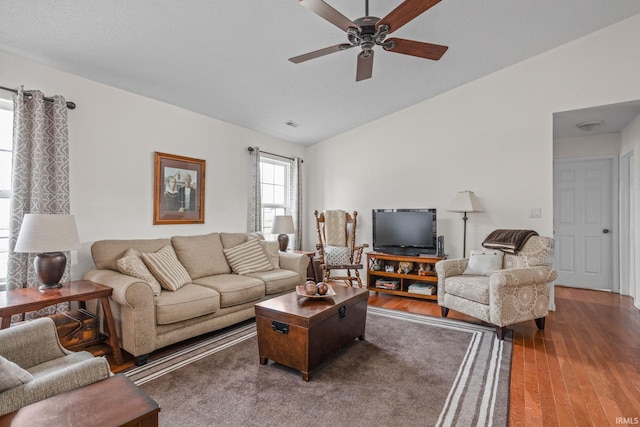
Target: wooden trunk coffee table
[(301, 332)]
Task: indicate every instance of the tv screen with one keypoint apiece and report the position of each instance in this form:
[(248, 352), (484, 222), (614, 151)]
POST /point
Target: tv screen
[(404, 231)]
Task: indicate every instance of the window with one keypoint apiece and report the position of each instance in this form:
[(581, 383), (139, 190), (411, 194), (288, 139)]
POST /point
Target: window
[(274, 180), (6, 147)]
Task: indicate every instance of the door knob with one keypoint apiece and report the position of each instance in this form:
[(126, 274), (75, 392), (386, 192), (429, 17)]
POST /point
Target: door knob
[(605, 231)]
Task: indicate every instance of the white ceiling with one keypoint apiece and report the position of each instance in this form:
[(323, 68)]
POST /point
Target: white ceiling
[(228, 59)]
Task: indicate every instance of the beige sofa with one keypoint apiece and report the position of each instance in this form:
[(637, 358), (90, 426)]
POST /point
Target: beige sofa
[(214, 297)]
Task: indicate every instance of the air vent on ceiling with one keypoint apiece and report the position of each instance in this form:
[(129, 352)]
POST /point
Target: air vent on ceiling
[(292, 124)]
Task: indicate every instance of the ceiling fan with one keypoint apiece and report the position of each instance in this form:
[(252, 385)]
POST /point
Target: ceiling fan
[(369, 31)]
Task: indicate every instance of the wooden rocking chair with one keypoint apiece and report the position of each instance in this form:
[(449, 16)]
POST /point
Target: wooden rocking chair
[(336, 247)]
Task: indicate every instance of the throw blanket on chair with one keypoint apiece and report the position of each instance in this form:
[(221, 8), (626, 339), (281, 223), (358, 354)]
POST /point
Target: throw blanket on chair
[(335, 228), (510, 241)]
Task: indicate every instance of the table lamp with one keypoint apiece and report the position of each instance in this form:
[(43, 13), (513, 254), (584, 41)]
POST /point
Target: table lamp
[(283, 225), (465, 202), (48, 236)]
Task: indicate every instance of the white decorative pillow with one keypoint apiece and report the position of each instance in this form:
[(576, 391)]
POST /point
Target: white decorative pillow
[(337, 255), (132, 265), (483, 263), (272, 249), (12, 375), (248, 257), (165, 267)]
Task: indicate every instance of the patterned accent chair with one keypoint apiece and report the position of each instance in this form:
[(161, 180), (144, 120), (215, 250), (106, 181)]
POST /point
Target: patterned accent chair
[(337, 249), (516, 293)]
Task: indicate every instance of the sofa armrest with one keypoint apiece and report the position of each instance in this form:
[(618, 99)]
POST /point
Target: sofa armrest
[(134, 309), (65, 379), (521, 276), (448, 268), (31, 343), (451, 267), (295, 262)]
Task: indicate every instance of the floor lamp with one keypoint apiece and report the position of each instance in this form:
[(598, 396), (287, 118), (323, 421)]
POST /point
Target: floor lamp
[(465, 202)]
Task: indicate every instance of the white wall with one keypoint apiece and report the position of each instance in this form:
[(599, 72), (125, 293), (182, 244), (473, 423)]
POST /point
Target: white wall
[(587, 146), (630, 142), (112, 137), (493, 136)]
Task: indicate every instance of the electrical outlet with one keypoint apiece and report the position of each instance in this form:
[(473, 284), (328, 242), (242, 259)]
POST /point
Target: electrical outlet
[(535, 213)]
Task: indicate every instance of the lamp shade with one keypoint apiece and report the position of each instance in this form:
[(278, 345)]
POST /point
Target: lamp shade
[(465, 201), (283, 224), (47, 233)]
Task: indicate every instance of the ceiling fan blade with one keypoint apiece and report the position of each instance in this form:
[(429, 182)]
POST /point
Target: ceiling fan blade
[(365, 66), (320, 52), (329, 13), (415, 48), (405, 12)]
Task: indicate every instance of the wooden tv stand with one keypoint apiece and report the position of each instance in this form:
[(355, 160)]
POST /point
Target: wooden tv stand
[(399, 283)]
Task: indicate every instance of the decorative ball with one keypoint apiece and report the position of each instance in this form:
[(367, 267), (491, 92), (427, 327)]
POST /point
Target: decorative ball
[(311, 288), (323, 288)]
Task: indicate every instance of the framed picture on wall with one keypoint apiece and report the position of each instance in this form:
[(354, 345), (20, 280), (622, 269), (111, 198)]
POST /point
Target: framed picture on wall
[(178, 194)]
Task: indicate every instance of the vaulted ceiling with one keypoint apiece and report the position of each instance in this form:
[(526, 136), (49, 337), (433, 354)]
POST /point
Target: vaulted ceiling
[(229, 59)]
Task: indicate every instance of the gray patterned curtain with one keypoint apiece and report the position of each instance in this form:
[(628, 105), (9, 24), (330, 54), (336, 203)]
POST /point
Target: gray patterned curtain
[(296, 199), (40, 176), (254, 216)]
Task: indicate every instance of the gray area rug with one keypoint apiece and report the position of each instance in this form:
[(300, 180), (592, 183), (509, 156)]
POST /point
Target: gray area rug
[(411, 370)]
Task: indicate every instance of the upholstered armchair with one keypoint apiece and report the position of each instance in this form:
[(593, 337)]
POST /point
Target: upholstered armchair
[(514, 290), (34, 366)]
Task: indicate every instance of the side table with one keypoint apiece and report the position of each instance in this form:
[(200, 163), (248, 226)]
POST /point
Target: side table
[(311, 269), (17, 301), (115, 401)]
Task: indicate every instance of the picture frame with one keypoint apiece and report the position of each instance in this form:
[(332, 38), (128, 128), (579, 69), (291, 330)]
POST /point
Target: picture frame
[(178, 189)]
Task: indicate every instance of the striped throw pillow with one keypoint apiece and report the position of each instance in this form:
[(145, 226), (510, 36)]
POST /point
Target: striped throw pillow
[(165, 267), (248, 257)]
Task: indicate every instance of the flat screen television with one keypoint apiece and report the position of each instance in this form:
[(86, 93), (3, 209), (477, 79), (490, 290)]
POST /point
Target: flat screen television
[(405, 231)]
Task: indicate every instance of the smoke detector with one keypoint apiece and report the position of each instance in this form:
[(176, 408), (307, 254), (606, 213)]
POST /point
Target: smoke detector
[(589, 126)]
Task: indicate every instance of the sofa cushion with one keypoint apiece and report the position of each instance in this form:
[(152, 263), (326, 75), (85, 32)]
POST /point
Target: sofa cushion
[(164, 265), (186, 303), (474, 288), (248, 257), (484, 262), (106, 253), (132, 265), (233, 289), (201, 255), (272, 249), (230, 240), (12, 375), (277, 280)]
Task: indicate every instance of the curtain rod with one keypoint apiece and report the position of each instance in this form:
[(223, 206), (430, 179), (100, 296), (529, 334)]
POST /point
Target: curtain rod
[(273, 154), (70, 105)]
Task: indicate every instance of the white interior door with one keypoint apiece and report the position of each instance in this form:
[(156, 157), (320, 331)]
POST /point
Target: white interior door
[(583, 223)]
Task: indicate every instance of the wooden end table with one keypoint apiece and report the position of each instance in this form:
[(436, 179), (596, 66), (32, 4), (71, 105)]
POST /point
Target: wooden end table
[(17, 301), (115, 401), (312, 269)]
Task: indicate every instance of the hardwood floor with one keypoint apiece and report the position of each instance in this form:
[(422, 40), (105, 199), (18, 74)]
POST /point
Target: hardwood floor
[(582, 370)]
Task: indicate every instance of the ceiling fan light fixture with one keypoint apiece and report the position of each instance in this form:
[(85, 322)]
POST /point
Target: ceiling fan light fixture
[(590, 125)]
